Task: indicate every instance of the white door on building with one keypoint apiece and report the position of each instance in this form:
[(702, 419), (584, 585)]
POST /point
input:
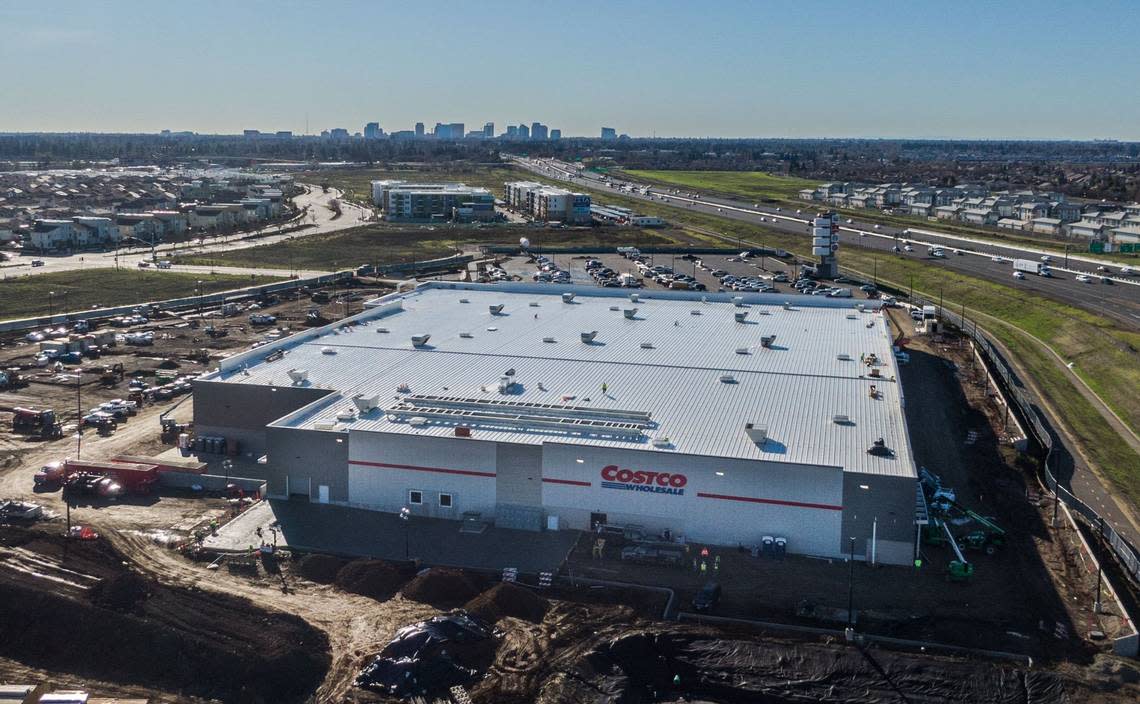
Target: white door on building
[(322, 493)]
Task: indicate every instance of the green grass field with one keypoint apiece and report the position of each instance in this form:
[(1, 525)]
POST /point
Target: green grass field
[(27, 296), (752, 185), (390, 244)]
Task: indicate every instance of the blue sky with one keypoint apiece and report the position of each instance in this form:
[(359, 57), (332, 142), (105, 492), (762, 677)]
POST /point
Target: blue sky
[(1045, 69)]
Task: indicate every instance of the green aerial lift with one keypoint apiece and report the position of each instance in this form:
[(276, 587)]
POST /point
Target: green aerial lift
[(959, 570), (988, 537)]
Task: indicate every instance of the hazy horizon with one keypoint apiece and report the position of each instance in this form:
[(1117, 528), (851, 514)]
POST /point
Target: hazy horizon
[(881, 70)]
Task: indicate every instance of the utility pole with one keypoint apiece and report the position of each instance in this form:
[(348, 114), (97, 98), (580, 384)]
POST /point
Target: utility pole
[(1099, 568), (851, 585)]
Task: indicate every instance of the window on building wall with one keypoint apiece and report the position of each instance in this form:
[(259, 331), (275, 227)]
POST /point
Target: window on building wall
[(415, 497), (445, 500)]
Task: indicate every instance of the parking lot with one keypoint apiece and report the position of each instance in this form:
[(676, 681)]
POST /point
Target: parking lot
[(755, 274)]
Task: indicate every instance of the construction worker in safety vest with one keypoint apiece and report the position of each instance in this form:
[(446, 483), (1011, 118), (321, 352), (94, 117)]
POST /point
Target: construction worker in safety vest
[(704, 567)]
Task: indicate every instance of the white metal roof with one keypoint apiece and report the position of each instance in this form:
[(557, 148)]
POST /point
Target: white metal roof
[(811, 373)]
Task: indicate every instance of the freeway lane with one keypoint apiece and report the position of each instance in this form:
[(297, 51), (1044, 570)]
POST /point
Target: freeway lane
[(1119, 301)]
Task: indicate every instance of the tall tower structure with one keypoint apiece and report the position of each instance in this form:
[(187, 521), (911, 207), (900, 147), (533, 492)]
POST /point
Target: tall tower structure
[(825, 243)]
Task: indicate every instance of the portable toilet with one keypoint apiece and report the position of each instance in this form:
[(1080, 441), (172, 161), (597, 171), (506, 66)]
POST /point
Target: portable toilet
[(781, 547), (768, 545)]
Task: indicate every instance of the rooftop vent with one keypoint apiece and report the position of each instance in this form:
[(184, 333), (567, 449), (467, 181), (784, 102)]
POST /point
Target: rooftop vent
[(844, 357), (646, 345), (381, 329), (740, 317), (364, 403), (615, 308), (464, 300), (852, 316), (495, 309), (743, 350), (324, 425), (506, 382), (420, 340), (635, 297), (346, 416), (534, 304), (466, 335), (417, 421), (727, 379), (567, 298), (629, 313), (299, 376), (787, 305), (662, 441), (756, 433), (738, 301), (588, 337), (765, 312), (694, 312), (767, 341), (548, 339), (840, 419), (328, 350)]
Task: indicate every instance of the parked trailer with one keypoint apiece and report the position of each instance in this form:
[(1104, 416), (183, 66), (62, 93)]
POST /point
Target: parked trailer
[(132, 477), (192, 466)]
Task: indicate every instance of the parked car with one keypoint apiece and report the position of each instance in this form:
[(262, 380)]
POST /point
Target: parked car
[(37, 262), (707, 598)]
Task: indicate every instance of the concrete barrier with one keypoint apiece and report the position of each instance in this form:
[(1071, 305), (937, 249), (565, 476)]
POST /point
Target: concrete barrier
[(210, 482)]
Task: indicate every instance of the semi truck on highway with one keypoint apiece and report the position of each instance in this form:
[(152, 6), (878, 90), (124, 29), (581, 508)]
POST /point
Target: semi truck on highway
[(1031, 267)]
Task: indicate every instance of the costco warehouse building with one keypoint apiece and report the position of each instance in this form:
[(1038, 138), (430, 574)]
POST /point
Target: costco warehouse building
[(723, 419)]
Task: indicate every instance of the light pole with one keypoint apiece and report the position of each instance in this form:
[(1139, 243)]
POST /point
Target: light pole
[(405, 516), (227, 466), (51, 301), (198, 286), (851, 586)]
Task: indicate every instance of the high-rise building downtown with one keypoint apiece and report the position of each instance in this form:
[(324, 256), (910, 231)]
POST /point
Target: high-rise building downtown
[(524, 132), (372, 131), (419, 129), (489, 130), (538, 131)]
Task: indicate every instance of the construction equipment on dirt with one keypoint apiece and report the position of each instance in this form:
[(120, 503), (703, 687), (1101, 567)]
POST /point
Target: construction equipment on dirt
[(10, 379), (39, 423), (112, 375), (170, 427), (988, 536), (314, 318), (216, 332)]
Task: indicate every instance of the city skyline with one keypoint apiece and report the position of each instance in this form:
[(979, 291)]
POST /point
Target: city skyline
[(733, 70)]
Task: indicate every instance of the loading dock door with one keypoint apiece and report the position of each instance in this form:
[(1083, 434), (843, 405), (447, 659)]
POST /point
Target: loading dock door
[(322, 493)]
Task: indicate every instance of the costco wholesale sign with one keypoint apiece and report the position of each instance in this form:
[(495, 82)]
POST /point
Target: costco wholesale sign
[(614, 477)]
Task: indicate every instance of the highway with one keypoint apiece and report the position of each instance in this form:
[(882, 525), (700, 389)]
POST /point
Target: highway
[(312, 204), (1119, 300)]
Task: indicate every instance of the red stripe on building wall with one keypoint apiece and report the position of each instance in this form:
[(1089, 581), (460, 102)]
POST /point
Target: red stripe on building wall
[(414, 468), (777, 502), (570, 482)]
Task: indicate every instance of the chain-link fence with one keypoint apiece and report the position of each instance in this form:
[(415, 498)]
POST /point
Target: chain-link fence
[(1019, 396)]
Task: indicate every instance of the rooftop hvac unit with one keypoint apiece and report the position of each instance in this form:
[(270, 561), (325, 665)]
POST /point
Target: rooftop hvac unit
[(767, 341), (346, 416), (738, 301), (615, 308), (694, 312), (743, 350), (635, 297), (328, 350), (840, 419), (843, 357), (756, 433), (629, 313), (381, 329), (417, 421), (364, 403), (588, 337), (727, 379), (548, 339), (852, 316), (299, 376), (495, 309), (534, 304), (740, 316), (646, 345), (787, 305), (662, 441), (466, 335), (464, 300), (324, 425), (567, 298), (420, 340)]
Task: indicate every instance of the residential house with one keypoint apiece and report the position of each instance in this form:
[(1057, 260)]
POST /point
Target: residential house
[(1046, 226), (808, 194), (141, 226), (1011, 224), (215, 218), (95, 231), (1065, 211), (980, 216), (921, 209), (1088, 229), (51, 234), (1027, 211), (948, 212), (172, 222)]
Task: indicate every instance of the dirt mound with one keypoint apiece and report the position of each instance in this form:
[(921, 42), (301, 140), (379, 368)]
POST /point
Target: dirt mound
[(318, 568), (507, 599), (120, 592), (443, 588), (375, 579)]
